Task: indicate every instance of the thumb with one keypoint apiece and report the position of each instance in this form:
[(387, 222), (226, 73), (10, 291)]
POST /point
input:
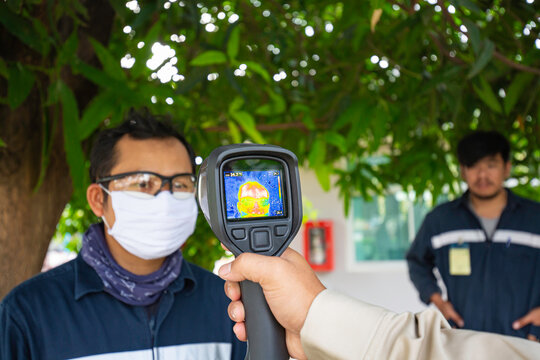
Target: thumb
[(248, 266), (521, 322)]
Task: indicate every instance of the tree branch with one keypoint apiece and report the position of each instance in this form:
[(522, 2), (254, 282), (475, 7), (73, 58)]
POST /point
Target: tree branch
[(447, 15), (264, 127), (443, 50), (496, 54), (514, 64), (402, 69)]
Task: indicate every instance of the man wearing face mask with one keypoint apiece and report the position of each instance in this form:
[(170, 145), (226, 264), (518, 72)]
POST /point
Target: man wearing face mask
[(129, 294)]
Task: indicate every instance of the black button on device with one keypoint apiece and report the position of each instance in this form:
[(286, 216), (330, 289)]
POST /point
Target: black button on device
[(260, 240), (280, 230), (239, 234)]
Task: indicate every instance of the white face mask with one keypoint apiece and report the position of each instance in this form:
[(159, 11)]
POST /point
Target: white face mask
[(152, 228)]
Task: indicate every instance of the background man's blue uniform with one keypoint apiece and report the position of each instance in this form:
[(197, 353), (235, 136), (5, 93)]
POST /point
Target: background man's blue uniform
[(504, 281)]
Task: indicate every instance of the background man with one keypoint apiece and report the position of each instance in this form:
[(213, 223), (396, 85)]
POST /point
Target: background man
[(129, 293), (486, 246)]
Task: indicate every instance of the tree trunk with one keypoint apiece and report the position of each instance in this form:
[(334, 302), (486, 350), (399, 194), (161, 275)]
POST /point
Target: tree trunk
[(28, 219)]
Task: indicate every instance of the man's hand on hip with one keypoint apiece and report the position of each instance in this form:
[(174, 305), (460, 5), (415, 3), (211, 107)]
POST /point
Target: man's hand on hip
[(532, 317), (447, 309)]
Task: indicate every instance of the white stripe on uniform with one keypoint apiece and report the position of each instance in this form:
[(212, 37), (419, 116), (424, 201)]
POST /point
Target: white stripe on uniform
[(475, 236), (202, 351)]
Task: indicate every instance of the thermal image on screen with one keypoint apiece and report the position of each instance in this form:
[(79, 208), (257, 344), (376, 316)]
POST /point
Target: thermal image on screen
[(250, 194)]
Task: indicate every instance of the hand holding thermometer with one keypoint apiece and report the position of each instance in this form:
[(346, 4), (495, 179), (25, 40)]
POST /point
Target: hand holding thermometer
[(250, 196)]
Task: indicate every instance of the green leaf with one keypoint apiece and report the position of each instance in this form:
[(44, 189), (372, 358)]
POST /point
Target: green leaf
[(236, 104), (160, 91), (378, 127), (3, 69), (122, 12), (100, 108), (468, 4), (376, 4), (43, 32), (234, 43), (210, 57), (351, 115), (317, 154), (81, 9), (247, 122), (538, 112), (275, 107), (53, 92), (118, 116), (347, 201), (265, 110), (305, 112), (255, 67), (47, 136), (473, 33), (119, 87), (14, 5), (68, 50), (196, 76), (515, 89), (110, 64), (93, 74), (337, 140), (22, 29), (323, 172), (2, 143), (486, 53), (234, 131), (484, 91), (20, 83), (153, 34), (72, 144)]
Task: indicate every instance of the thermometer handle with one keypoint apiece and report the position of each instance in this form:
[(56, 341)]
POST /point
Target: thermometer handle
[(266, 337)]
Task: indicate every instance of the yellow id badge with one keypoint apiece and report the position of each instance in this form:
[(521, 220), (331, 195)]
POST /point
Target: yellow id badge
[(460, 260)]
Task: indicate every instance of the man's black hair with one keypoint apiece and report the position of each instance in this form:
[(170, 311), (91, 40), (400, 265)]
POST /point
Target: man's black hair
[(480, 144), (138, 125)]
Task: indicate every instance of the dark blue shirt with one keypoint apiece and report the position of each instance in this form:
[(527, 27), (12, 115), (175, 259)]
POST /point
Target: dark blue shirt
[(504, 280), (65, 313)]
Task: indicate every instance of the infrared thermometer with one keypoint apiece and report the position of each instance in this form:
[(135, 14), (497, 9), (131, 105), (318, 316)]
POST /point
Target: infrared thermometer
[(250, 195)]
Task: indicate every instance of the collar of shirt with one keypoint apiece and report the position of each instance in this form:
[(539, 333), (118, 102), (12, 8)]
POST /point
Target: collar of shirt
[(512, 200)]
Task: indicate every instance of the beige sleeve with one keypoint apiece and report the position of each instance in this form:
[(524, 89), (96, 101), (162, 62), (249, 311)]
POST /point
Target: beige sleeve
[(340, 327)]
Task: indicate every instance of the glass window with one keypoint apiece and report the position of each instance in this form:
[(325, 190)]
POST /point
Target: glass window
[(384, 227)]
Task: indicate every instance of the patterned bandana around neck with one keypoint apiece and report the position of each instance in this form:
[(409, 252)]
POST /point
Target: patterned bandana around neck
[(138, 290)]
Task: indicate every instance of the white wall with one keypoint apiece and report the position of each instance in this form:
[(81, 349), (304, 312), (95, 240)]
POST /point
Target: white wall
[(390, 288)]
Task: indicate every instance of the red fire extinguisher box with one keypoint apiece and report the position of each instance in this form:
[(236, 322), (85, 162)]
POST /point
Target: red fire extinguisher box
[(319, 245)]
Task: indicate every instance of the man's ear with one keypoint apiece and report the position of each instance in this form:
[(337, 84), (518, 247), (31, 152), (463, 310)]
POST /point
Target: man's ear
[(462, 172), (95, 198), (507, 169)]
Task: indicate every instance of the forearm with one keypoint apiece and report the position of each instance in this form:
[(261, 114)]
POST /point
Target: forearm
[(339, 327), (421, 275), (436, 299)]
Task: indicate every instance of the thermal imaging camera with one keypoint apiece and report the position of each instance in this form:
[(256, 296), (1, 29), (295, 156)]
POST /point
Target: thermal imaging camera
[(250, 195)]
